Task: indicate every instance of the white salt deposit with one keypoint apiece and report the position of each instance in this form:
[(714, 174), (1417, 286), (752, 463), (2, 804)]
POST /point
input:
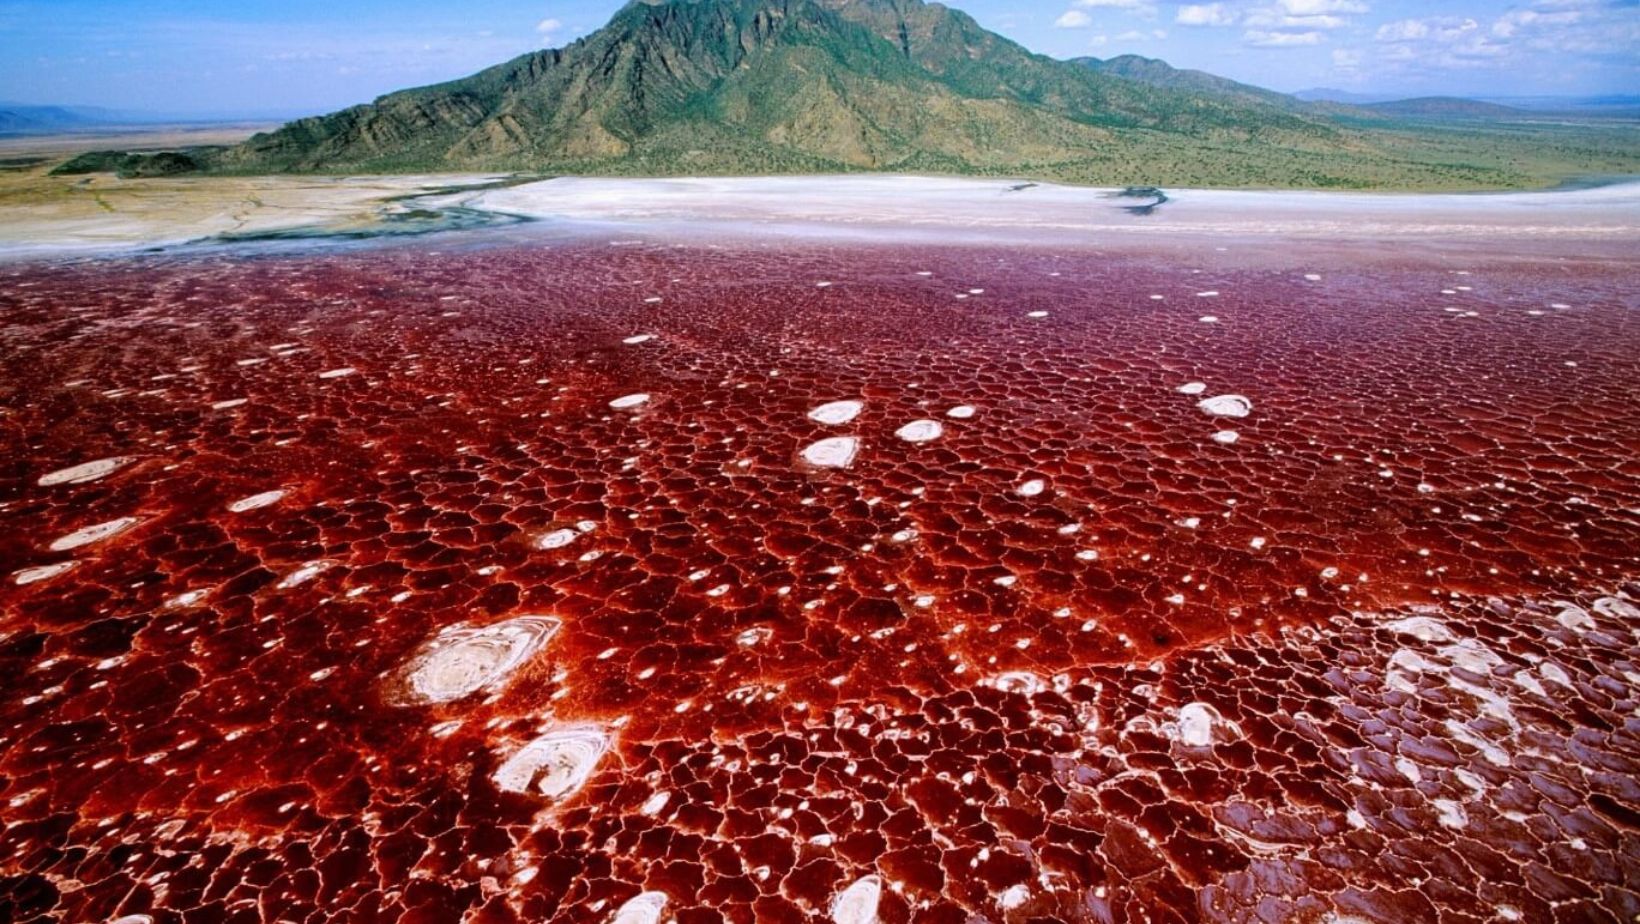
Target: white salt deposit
[(1032, 488), (655, 804), (91, 534), (337, 373), (636, 339), (1036, 314), (1226, 406), (832, 452), (555, 765), (643, 908), (1421, 628), (835, 413), (920, 431), (462, 660), (41, 572), (961, 412), (230, 403), (1226, 437), (304, 574), (1450, 814), (255, 501), (1196, 724), (85, 471), (628, 401), (1209, 319), (556, 539), (1013, 896), (857, 904), (1192, 388)]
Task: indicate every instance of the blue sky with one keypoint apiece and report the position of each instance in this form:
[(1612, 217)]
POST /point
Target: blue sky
[(283, 57)]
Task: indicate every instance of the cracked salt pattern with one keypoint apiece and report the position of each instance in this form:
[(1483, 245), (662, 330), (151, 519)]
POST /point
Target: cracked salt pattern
[(1080, 657)]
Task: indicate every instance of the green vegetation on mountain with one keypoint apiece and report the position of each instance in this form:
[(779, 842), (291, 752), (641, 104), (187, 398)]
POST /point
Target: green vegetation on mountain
[(801, 86)]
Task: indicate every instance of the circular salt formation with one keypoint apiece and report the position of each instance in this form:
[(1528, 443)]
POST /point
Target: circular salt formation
[(636, 339), (832, 452), (1196, 725), (85, 471), (462, 660), (961, 412), (92, 534), (643, 908), (556, 539), (857, 904), (1226, 406), (41, 572), (920, 431), (837, 412), (1032, 488), (555, 764), (626, 401), (1226, 437), (1192, 388), (255, 501)]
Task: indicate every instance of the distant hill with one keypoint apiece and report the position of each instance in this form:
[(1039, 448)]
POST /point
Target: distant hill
[(1330, 95), (1444, 106), (18, 118), (680, 87), (1157, 73)]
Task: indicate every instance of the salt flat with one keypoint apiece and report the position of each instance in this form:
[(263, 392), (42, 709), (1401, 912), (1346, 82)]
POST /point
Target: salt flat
[(1004, 209)]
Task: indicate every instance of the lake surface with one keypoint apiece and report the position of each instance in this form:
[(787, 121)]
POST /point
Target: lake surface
[(636, 567)]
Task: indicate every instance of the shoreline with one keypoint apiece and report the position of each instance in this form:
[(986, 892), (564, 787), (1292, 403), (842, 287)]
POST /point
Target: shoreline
[(101, 216)]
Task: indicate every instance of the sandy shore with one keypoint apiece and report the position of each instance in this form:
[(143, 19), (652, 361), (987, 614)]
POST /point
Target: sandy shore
[(66, 215)]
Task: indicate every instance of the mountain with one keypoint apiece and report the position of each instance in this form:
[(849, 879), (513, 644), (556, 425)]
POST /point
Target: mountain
[(1444, 106), (681, 87), (16, 118), (1157, 73), (733, 86), (1330, 95)]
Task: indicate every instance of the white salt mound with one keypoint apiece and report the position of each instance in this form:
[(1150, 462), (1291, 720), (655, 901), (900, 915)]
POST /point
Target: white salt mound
[(835, 413), (626, 401), (255, 501), (643, 908), (920, 431), (91, 534), (832, 452), (1226, 406), (857, 904), (555, 765), (41, 572), (462, 660), (1196, 725), (85, 471)]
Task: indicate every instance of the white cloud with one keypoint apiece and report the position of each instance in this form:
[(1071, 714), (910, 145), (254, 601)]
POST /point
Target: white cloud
[(1144, 9), (1262, 39), (1346, 59), (1438, 29), (1319, 7), (1204, 14), (1073, 19), (547, 27)]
